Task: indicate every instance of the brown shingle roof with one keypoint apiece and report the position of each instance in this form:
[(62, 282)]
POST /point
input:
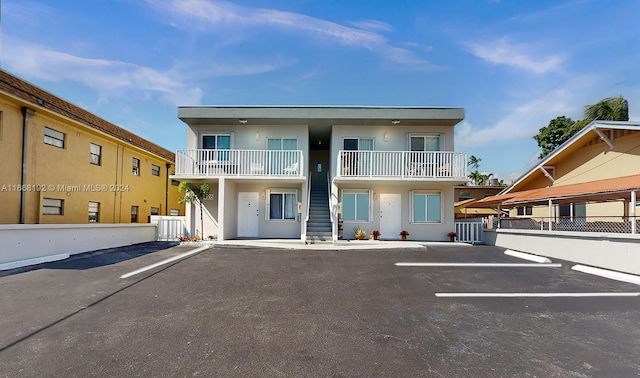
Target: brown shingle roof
[(598, 189), (37, 96)]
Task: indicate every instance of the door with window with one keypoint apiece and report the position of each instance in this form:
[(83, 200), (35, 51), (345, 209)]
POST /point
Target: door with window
[(355, 162)]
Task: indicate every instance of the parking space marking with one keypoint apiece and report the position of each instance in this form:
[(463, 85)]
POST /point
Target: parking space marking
[(483, 265), (163, 262), (534, 295)]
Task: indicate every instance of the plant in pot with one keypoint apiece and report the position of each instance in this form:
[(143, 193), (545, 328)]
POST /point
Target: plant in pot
[(404, 234), (452, 235), (359, 233), (376, 234)]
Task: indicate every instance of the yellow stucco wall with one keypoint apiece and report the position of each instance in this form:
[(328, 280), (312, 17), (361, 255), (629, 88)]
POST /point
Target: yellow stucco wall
[(67, 173)]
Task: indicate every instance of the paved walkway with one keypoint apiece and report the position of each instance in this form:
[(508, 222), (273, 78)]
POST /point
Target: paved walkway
[(339, 245)]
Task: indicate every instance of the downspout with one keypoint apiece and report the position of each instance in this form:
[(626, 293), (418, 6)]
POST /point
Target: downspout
[(26, 114), (166, 191)]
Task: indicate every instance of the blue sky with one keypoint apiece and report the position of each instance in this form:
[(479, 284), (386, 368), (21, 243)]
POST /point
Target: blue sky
[(512, 65)]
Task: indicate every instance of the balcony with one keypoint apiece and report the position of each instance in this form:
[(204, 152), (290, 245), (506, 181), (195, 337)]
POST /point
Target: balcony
[(202, 163), (431, 165)]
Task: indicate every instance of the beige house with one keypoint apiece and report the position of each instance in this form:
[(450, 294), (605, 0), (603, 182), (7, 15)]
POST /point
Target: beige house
[(587, 184), (316, 173)]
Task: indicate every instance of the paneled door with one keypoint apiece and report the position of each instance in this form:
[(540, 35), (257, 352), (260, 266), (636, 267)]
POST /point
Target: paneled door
[(248, 214), (390, 215)]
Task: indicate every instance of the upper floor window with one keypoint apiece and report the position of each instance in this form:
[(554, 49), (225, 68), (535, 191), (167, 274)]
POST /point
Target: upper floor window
[(175, 212), (464, 196), (523, 211), (53, 137), (426, 207), (175, 182), (216, 142), (282, 144), (155, 211), (95, 153), (357, 144), (52, 206), (424, 143), (135, 166), (155, 170)]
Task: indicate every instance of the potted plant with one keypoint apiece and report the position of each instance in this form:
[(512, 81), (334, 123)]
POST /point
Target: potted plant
[(376, 234), (404, 234), (452, 235), (359, 233)]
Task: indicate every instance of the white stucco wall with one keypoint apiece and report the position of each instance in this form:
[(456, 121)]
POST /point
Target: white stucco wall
[(22, 245), (619, 252)]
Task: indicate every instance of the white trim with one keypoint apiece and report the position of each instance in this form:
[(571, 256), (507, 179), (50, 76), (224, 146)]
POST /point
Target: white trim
[(482, 265), (534, 295), (33, 261)]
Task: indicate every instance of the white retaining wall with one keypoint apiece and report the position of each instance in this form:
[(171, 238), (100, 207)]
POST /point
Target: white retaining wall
[(619, 252), (28, 244)]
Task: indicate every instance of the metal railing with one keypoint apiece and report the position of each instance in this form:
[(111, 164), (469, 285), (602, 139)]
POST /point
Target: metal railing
[(469, 232), (402, 164), (606, 224), (234, 163)]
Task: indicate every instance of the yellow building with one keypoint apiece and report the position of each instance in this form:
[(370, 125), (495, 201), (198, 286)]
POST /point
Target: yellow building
[(62, 164), (587, 184)]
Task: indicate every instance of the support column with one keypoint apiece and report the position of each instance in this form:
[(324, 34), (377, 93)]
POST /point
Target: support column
[(550, 208), (633, 212)]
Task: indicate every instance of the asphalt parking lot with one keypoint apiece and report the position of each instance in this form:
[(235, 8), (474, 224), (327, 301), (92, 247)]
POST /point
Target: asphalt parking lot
[(254, 312)]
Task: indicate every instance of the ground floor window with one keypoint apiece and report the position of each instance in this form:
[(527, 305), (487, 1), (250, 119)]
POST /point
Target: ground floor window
[(52, 206), (426, 207), (283, 204), (134, 214), (94, 212), (356, 205)]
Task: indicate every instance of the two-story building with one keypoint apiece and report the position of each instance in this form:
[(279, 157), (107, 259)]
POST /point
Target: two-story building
[(316, 173)]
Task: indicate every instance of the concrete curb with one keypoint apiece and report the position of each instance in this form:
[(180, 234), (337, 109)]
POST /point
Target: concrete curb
[(527, 256), (618, 276), (34, 261)]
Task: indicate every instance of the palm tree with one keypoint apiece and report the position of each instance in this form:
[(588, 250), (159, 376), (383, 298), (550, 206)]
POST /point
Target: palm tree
[(474, 162), (484, 179), (608, 109), (475, 177), (195, 194)]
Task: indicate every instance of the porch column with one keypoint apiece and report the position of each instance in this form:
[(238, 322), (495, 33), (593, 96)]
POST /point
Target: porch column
[(633, 212), (550, 208), (498, 216)]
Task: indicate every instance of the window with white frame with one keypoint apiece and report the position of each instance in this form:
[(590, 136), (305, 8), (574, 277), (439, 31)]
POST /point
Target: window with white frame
[(155, 170), (134, 214), (135, 167), (52, 206), (216, 142), (524, 211), (426, 207), (424, 142), (94, 212), (356, 205), (155, 211), (53, 137), (275, 144), (174, 212), (282, 204), (95, 154)]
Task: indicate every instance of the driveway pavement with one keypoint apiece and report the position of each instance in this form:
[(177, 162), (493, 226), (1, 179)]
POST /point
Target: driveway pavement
[(255, 312)]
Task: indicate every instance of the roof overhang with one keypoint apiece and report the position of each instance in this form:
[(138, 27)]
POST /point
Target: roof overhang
[(321, 115)]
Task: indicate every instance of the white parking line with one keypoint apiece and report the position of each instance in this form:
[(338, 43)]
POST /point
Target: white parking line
[(527, 256), (482, 265), (533, 295), (619, 276), (166, 261)]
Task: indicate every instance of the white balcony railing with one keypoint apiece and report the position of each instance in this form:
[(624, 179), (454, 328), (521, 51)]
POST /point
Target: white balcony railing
[(402, 164), (239, 163)]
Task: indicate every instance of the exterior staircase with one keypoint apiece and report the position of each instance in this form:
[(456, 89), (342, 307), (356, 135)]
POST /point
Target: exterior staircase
[(319, 224)]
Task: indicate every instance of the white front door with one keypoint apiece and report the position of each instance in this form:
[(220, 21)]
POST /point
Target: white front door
[(248, 214), (390, 215)]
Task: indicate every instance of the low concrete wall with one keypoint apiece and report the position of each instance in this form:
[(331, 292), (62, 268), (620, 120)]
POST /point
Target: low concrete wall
[(619, 252), (22, 245)]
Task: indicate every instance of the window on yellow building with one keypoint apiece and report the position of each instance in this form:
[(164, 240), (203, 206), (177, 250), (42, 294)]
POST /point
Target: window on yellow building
[(95, 153), (175, 212), (136, 167), (53, 137), (94, 212), (155, 211), (523, 211), (155, 170), (52, 206), (134, 214)]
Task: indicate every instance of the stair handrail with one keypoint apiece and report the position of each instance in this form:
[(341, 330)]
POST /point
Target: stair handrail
[(306, 219), (329, 202)]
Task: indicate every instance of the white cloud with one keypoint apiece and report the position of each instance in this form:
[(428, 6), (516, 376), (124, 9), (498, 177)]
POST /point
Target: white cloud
[(519, 55), (210, 15)]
